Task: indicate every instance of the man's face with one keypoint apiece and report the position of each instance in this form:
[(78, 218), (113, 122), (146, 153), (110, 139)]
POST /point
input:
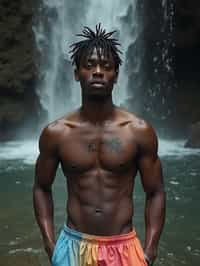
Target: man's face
[(97, 74)]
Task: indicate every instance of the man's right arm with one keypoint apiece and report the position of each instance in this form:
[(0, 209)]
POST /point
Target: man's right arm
[(45, 172)]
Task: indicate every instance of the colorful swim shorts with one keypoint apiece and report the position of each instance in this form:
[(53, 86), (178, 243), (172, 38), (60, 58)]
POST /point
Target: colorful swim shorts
[(78, 249)]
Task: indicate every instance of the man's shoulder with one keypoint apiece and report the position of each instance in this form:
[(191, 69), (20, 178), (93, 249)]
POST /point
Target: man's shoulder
[(55, 130), (143, 131), (134, 120)]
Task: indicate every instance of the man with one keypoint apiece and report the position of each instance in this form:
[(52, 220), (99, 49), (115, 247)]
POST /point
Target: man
[(100, 147)]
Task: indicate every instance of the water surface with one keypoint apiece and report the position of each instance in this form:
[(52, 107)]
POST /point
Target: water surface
[(20, 241)]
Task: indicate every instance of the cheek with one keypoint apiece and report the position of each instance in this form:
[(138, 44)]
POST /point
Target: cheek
[(111, 78), (85, 76)]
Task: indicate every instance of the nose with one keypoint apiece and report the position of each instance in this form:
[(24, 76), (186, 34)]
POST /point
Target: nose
[(98, 71)]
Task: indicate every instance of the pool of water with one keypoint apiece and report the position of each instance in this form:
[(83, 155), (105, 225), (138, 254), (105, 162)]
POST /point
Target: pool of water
[(20, 241)]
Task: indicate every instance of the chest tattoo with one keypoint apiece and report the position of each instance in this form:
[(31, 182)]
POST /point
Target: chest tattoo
[(113, 145), (92, 147)]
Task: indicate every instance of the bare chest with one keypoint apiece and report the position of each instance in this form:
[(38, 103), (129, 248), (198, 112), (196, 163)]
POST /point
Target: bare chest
[(111, 150)]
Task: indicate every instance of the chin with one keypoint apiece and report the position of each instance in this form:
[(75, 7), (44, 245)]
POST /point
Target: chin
[(98, 94)]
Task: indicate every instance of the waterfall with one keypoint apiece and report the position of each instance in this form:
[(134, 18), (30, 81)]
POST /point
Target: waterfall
[(56, 24)]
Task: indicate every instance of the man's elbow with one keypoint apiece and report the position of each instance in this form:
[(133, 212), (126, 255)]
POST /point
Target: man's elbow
[(158, 192), (39, 188)]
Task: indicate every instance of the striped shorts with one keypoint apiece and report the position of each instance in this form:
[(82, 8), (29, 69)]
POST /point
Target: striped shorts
[(74, 248)]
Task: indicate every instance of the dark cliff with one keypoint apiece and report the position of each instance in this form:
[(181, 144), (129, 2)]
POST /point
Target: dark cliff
[(187, 58), (169, 44), (18, 99)]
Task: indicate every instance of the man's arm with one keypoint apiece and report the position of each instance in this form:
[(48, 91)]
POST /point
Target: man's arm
[(45, 171), (152, 179)]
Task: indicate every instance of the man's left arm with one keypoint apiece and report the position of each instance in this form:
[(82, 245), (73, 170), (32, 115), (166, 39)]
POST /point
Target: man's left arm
[(150, 169)]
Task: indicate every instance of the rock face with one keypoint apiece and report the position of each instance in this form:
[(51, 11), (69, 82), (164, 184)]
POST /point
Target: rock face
[(18, 99), (194, 136), (169, 93), (187, 57)]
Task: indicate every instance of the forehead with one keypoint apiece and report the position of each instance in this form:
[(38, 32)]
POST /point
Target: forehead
[(99, 54)]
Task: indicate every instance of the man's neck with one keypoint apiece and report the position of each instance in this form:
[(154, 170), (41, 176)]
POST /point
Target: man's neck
[(97, 111)]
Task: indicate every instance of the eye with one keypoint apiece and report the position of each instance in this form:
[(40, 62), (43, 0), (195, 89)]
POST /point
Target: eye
[(89, 64), (107, 66)]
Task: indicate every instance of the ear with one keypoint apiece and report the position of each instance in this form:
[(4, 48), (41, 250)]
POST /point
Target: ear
[(76, 74)]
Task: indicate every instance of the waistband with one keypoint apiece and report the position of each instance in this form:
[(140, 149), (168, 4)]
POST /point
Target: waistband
[(73, 234)]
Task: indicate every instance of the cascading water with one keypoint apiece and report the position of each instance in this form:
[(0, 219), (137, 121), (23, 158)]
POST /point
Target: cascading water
[(56, 25)]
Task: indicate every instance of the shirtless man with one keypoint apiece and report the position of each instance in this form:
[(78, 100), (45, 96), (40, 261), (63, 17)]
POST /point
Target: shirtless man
[(100, 148)]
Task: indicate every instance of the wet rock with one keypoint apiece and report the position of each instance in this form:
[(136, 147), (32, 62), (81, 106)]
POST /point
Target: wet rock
[(18, 71)]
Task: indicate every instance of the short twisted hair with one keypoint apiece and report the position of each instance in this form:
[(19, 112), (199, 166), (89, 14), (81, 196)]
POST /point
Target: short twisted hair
[(102, 41)]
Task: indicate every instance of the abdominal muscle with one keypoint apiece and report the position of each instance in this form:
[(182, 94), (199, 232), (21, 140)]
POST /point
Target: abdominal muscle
[(100, 210)]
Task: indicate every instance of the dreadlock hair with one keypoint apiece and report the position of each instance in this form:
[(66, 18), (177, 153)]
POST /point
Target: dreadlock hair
[(102, 41)]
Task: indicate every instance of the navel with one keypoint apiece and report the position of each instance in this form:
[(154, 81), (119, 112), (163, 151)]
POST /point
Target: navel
[(98, 211)]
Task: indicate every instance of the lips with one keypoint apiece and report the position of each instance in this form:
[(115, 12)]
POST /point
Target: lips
[(97, 83)]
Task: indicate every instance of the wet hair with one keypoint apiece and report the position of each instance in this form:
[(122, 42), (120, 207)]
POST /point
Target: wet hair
[(102, 41)]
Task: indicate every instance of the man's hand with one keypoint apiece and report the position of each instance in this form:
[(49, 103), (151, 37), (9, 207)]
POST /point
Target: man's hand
[(149, 260), (150, 255), (49, 248)]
